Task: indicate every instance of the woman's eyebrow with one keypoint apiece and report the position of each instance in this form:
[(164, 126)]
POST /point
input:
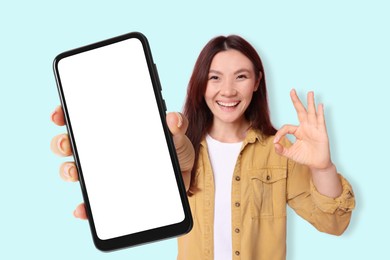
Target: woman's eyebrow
[(237, 72), (215, 71), (241, 71)]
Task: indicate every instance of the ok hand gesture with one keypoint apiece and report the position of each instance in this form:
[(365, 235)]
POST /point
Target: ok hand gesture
[(311, 146)]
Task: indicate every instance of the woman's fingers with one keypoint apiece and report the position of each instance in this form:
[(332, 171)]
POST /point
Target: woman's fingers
[(60, 145), (58, 116), (321, 116), (311, 109), (280, 149), (68, 172), (284, 130), (310, 115), (80, 212), (299, 107)]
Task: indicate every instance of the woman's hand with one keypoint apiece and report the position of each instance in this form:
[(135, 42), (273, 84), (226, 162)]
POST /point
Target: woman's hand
[(60, 145), (177, 124), (311, 147)]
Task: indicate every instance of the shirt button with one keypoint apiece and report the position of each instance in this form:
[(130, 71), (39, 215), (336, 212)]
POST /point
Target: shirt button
[(237, 230), (237, 204), (268, 177), (237, 252), (238, 178)]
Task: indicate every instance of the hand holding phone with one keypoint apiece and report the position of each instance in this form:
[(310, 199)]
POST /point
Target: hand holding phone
[(131, 183)]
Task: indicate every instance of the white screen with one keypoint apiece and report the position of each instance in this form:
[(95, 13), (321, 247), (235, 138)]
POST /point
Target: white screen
[(120, 140)]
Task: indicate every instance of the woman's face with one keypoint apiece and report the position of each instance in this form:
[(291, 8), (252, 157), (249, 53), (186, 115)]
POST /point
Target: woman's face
[(230, 86)]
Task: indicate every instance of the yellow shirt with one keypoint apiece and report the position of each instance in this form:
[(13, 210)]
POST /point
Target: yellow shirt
[(263, 184)]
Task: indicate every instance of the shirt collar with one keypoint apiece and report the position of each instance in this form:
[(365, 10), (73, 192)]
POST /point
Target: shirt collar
[(252, 136)]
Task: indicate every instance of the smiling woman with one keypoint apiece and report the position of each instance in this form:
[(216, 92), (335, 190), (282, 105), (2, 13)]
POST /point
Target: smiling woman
[(246, 171), (239, 171), (196, 109)]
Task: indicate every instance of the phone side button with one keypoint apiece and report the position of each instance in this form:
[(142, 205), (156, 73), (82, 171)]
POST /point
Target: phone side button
[(164, 105), (157, 77)]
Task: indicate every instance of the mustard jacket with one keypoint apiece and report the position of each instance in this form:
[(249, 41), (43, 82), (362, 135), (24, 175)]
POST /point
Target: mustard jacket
[(263, 184)]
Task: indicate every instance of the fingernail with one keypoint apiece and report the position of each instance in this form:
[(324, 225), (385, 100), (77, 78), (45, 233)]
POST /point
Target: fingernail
[(180, 120), (75, 213), (53, 115), (70, 171), (60, 143)]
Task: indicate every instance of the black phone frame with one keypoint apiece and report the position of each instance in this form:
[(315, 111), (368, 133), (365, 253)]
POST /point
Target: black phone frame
[(146, 236)]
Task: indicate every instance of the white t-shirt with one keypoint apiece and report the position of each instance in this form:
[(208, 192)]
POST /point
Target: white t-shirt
[(223, 158)]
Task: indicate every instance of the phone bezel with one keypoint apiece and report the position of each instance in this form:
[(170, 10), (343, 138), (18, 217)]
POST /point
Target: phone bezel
[(147, 235)]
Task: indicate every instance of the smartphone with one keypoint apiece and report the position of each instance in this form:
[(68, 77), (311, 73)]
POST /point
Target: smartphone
[(128, 168)]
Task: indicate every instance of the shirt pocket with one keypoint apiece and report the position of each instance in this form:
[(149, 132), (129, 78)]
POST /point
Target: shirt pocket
[(268, 195)]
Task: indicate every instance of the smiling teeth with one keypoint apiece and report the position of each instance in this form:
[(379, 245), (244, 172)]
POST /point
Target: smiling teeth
[(230, 104)]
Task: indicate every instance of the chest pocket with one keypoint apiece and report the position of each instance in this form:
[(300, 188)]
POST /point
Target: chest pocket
[(268, 192)]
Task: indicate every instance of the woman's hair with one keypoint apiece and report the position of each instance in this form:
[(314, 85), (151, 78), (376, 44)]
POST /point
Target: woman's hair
[(195, 107)]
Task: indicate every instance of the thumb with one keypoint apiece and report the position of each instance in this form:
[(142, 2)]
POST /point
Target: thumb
[(178, 124), (280, 149)]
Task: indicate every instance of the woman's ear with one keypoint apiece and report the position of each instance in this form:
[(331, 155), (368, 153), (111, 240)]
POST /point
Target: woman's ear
[(258, 81)]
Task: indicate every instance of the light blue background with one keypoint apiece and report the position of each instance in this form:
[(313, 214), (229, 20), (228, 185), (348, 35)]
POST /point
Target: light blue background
[(339, 49)]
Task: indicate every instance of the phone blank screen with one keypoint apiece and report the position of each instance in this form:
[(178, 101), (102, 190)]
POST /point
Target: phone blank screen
[(120, 141)]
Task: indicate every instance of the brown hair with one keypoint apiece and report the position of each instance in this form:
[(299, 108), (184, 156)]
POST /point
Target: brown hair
[(195, 107)]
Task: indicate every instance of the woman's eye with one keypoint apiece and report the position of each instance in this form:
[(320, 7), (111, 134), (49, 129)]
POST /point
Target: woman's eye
[(213, 77), (242, 76)]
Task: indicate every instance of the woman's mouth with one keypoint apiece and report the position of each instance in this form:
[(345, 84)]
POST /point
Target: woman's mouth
[(228, 104)]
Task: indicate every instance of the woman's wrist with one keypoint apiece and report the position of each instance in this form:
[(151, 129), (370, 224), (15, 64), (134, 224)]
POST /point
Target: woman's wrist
[(327, 181), (329, 169)]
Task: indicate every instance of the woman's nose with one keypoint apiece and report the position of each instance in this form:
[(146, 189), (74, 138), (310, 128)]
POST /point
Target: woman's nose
[(228, 89)]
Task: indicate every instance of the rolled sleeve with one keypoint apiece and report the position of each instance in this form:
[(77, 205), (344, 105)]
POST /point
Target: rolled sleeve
[(344, 203)]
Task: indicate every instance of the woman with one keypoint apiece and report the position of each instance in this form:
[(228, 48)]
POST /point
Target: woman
[(245, 172)]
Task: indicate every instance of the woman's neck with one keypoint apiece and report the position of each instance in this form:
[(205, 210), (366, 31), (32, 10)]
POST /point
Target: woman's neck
[(229, 132)]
